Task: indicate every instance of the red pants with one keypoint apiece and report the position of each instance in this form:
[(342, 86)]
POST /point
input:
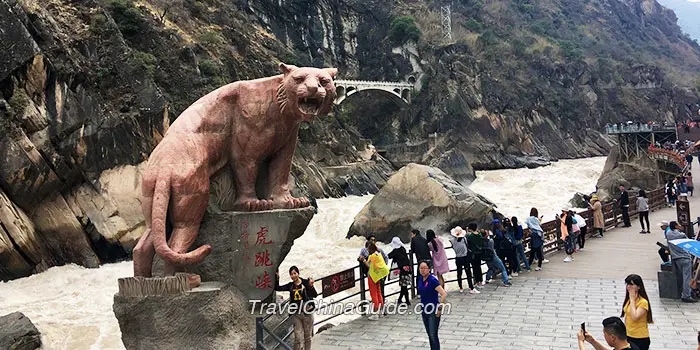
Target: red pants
[(375, 292)]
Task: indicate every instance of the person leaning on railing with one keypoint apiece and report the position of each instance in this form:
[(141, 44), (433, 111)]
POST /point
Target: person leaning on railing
[(536, 238)]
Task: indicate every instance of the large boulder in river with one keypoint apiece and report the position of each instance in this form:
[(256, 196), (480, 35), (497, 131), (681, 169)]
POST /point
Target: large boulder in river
[(420, 197), (18, 332), (641, 172)]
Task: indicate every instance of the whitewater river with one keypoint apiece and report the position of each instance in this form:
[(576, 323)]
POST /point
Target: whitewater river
[(72, 306)]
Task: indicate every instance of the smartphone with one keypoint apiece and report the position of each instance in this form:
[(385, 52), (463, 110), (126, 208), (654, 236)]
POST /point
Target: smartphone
[(583, 327)]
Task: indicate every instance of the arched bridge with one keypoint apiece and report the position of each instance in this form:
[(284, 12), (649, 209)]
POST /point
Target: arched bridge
[(345, 88)]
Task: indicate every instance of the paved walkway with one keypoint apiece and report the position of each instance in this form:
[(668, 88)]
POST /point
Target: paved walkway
[(543, 310)]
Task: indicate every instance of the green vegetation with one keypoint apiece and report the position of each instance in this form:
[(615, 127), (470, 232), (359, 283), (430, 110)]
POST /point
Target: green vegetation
[(208, 67), (473, 25), (143, 61), (210, 38), (128, 18), (404, 29)]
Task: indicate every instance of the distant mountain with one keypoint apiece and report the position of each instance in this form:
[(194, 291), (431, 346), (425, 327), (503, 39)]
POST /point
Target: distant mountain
[(688, 13)]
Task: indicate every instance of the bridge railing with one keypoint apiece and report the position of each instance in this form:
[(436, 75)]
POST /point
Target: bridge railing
[(612, 217), (617, 129), (667, 155), (341, 82)]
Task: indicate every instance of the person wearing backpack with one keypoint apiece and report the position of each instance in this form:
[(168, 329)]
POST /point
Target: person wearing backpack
[(488, 253), (567, 222), (475, 242), (520, 257), (301, 306), (378, 269), (508, 248)]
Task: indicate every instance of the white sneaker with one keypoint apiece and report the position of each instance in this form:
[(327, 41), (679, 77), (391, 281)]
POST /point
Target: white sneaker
[(373, 317), (545, 261), (568, 259), (580, 249), (461, 290), (474, 291), (488, 281), (482, 283), (514, 274), (538, 269)]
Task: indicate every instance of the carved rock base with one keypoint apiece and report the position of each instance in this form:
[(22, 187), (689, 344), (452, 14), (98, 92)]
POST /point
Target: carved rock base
[(211, 316)]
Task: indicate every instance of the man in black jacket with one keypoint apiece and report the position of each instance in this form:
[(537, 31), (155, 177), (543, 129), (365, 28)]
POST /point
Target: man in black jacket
[(419, 247), (625, 206)]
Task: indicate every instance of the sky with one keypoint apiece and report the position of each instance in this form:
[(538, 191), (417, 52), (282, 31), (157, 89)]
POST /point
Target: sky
[(688, 13)]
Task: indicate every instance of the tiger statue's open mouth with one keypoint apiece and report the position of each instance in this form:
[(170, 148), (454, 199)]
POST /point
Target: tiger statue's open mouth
[(310, 105)]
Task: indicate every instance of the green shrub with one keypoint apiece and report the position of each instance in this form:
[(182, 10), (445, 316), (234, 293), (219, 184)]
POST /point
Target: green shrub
[(208, 67), (404, 29), (143, 61), (198, 8), (570, 50), (127, 16), (210, 38), (473, 25)]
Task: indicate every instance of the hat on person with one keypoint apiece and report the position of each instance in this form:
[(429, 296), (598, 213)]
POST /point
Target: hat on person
[(496, 221), (594, 197), (663, 223), (396, 242), (458, 232)]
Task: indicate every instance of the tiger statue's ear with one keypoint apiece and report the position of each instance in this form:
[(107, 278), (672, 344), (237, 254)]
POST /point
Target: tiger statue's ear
[(331, 71), (286, 68)]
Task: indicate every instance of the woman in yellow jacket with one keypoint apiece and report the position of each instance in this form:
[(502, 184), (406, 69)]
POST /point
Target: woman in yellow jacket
[(377, 270), (637, 312)]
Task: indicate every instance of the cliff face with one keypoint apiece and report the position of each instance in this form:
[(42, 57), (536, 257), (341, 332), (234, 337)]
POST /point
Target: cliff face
[(90, 86)]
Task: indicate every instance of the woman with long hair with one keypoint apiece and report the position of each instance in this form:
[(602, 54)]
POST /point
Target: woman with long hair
[(643, 210), (437, 251), (637, 312)]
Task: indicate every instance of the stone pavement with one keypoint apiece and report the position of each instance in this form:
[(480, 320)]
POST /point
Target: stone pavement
[(544, 310)]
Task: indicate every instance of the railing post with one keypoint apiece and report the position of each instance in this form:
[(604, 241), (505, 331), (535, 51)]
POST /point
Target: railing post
[(363, 289), (258, 333)]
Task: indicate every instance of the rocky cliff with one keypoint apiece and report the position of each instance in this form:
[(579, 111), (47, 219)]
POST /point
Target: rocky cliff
[(90, 86)]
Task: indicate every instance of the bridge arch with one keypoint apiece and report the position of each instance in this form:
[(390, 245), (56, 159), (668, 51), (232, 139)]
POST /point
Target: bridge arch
[(400, 90)]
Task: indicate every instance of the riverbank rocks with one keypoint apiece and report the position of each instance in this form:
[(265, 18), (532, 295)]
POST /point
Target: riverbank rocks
[(17, 332), (420, 197)]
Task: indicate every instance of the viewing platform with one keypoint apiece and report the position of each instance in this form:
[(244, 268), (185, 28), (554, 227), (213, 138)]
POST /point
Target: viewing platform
[(543, 309), (635, 128)]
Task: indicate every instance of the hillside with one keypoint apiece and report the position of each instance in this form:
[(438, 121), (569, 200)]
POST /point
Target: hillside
[(90, 86)]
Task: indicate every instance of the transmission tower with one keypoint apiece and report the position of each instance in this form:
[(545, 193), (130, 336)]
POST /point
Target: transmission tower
[(446, 16)]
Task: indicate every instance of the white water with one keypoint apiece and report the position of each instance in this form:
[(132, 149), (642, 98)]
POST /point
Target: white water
[(548, 189), (72, 306)]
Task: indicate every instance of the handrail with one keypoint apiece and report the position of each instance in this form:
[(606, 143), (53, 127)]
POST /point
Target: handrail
[(612, 217)]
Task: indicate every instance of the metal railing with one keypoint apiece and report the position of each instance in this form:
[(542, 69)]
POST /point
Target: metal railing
[(617, 129), (612, 217)]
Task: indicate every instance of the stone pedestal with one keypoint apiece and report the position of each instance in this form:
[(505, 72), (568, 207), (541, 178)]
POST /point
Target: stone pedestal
[(247, 249), (211, 316)]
